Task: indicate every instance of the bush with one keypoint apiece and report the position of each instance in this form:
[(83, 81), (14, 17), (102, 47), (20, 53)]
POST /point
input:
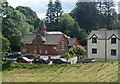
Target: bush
[(75, 51), (80, 50)]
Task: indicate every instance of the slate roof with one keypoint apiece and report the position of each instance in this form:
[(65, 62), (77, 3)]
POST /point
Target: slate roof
[(71, 41), (50, 38), (101, 34), (28, 38), (53, 38)]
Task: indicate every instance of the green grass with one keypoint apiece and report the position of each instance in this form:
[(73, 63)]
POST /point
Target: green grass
[(88, 72)]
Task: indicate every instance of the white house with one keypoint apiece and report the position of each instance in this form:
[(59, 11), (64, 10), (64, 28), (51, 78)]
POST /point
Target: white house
[(99, 48)]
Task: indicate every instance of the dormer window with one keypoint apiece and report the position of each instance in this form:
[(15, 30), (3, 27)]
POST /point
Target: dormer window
[(94, 40), (113, 40)]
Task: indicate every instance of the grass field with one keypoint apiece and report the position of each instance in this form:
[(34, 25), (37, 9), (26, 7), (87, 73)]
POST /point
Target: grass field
[(88, 72)]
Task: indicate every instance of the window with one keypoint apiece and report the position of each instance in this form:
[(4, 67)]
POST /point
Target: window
[(94, 51), (113, 40), (113, 52), (46, 52), (62, 45), (94, 40), (24, 50)]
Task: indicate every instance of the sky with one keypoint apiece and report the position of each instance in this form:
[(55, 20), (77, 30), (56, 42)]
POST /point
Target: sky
[(40, 6)]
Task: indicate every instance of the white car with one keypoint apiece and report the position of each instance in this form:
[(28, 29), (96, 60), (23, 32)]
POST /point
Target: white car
[(24, 60)]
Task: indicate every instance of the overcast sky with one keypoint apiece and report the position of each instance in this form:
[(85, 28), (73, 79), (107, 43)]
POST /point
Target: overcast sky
[(40, 6)]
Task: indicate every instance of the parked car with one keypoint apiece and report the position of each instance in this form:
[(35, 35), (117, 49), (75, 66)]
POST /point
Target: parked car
[(60, 61), (13, 55), (88, 60), (24, 60), (30, 56), (41, 60)]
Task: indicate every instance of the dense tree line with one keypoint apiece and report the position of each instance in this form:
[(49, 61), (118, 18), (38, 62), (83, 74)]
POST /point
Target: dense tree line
[(16, 23), (56, 20), (95, 15), (78, 23)]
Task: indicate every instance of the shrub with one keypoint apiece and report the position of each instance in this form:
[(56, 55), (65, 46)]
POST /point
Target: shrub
[(67, 55), (80, 50), (75, 51)]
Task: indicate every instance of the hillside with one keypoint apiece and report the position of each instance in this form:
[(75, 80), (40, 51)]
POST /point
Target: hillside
[(88, 72)]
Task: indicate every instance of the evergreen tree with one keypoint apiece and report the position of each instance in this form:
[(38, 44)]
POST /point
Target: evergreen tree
[(58, 10), (86, 14), (109, 12), (50, 12), (53, 13)]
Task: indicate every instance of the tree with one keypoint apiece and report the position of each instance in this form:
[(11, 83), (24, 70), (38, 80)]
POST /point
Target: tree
[(86, 14), (75, 51), (53, 14), (70, 27), (31, 16), (5, 44), (58, 10), (50, 13), (14, 26), (107, 10), (117, 25)]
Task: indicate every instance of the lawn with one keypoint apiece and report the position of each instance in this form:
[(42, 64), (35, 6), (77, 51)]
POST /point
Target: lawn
[(88, 72)]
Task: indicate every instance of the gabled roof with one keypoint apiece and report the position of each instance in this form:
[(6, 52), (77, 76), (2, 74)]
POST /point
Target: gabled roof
[(71, 41), (52, 38), (101, 34), (28, 38)]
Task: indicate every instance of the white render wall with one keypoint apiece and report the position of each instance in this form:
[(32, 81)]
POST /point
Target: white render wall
[(119, 45), (100, 49), (112, 46), (119, 49), (100, 45)]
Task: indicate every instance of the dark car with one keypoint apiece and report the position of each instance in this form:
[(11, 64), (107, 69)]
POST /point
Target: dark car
[(88, 60), (41, 61), (24, 60), (13, 55), (60, 61)]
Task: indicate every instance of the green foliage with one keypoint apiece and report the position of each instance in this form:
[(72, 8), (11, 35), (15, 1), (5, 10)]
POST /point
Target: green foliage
[(17, 23), (109, 11), (53, 14), (85, 13), (50, 12), (75, 51), (70, 27), (80, 50), (5, 44), (95, 15), (12, 26), (117, 24), (58, 10), (66, 55), (30, 15)]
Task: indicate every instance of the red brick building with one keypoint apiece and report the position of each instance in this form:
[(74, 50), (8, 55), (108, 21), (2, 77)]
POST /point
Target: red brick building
[(47, 43)]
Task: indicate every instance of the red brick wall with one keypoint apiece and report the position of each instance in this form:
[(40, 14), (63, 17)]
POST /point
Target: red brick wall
[(49, 49), (29, 48)]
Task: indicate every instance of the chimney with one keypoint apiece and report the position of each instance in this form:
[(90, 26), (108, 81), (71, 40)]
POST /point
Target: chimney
[(43, 29)]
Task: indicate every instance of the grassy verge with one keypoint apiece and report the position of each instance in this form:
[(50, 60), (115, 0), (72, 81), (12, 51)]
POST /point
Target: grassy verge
[(88, 72)]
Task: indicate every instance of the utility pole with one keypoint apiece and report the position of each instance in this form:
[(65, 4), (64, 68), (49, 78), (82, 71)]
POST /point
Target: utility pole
[(105, 44)]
